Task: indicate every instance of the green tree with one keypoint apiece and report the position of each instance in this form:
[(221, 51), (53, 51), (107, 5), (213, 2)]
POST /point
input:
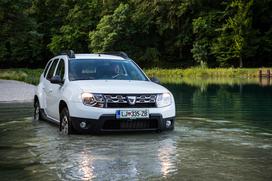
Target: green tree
[(80, 19), (19, 39), (232, 43), (203, 29), (178, 33), (49, 16), (110, 30), (262, 41)]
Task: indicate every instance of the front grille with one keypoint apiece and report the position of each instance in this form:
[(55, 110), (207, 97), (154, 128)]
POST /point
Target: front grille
[(122, 101), (130, 124)]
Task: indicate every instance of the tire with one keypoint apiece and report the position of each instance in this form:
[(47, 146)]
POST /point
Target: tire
[(66, 127), (37, 111)]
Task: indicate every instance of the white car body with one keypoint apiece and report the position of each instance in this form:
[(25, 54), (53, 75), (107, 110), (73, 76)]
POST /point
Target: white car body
[(52, 97)]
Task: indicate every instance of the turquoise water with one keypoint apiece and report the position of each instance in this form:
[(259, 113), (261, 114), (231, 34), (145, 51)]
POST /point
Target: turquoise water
[(222, 133)]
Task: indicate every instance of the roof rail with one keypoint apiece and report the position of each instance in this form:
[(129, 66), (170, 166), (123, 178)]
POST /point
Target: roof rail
[(118, 53), (69, 53)]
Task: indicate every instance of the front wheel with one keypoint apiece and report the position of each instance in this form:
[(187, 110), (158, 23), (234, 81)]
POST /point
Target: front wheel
[(66, 126), (37, 112)]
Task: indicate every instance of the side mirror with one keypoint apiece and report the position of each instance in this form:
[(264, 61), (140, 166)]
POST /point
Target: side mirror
[(155, 80), (56, 80)]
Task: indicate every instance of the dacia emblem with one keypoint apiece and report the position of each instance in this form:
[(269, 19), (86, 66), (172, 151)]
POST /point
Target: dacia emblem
[(131, 100)]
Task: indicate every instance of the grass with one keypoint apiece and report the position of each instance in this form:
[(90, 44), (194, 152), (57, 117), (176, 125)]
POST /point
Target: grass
[(197, 76), (206, 72), (205, 76), (21, 74)]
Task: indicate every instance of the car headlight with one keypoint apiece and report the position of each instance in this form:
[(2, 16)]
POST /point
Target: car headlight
[(163, 100), (94, 100)]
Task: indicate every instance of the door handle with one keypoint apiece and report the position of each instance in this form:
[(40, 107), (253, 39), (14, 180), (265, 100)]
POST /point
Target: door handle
[(50, 90)]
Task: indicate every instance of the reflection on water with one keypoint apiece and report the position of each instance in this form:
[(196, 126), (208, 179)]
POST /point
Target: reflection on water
[(86, 167), (223, 132), (114, 159), (166, 156)]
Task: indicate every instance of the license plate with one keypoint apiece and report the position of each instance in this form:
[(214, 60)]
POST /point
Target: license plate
[(132, 114)]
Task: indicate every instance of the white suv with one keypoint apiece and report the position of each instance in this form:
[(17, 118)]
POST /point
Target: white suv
[(90, 93)]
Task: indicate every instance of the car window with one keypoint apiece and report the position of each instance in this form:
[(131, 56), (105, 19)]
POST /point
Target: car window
[(60, 69), (52, 69), (92, 69), (46, 68)]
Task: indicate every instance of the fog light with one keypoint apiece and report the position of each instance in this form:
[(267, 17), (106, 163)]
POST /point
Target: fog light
[(168, 123), (82, 124)]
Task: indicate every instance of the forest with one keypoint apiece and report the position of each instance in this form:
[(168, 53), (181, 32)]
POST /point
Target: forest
[(154, 33)]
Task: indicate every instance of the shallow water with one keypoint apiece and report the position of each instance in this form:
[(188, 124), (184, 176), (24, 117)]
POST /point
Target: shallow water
[(222, 133)]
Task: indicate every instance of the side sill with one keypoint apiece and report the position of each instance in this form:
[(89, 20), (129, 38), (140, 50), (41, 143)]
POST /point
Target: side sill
[(46, 118)]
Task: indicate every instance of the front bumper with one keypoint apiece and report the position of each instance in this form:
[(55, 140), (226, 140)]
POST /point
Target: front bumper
[(79, 110), (109, 123)]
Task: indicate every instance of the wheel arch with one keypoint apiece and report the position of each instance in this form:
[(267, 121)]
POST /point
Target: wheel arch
[(62, 104)]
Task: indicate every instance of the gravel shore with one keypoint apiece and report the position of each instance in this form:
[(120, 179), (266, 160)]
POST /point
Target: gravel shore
[(15, 91)]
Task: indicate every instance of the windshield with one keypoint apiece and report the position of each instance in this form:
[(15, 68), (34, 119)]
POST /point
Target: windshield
[(103, 69)]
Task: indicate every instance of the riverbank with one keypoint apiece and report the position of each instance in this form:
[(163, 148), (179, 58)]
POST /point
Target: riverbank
[(30, 76), (205, 76), (196, 72), (165, 75)]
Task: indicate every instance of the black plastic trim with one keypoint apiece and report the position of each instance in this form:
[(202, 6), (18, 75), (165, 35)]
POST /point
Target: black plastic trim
[(69, 53), (118, 53), (45, 117), (96, 125)]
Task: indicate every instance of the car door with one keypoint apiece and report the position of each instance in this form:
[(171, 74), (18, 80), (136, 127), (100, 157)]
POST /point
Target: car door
[(43, 82), (48, 89), (57, 90)]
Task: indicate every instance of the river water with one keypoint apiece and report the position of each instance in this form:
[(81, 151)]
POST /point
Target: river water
[(223, 132)]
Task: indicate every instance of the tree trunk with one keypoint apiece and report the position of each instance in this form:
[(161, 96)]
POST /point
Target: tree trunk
[(241, 62)]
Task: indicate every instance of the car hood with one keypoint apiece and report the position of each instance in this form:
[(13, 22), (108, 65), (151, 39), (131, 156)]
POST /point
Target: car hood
[(119, 86)]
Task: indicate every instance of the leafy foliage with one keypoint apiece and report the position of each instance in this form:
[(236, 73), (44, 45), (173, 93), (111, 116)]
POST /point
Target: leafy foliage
[(166, 33), (234, 34), (73, 34), (110, 30)]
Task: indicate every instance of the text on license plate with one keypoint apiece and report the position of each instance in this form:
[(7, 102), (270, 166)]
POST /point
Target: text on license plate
[(132, 114)]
